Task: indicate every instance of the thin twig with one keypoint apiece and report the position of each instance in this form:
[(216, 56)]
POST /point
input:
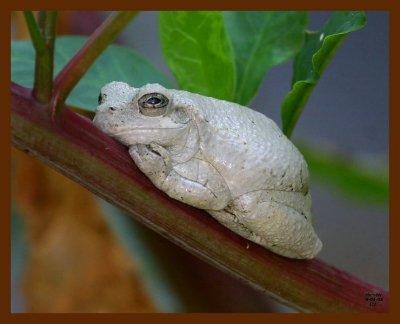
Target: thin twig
[(43, 84), (70, 75), (34, 31)]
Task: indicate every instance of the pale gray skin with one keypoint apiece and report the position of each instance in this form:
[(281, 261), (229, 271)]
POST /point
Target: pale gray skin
[(219, 156)]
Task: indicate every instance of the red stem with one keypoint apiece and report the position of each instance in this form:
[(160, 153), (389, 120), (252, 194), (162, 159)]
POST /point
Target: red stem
[(76, 148)]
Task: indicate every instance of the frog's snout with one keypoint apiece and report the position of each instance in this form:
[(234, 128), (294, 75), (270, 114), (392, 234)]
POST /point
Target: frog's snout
[(101, 121), (97, 120)]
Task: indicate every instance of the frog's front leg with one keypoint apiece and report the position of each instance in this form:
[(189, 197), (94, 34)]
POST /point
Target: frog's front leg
[(194, 182), (152, 160)]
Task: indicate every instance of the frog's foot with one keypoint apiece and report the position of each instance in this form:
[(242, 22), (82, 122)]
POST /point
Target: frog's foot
[(151, 160), (277, 227)]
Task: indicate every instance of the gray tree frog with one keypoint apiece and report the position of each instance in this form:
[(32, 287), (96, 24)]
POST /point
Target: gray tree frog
[(219, 156)]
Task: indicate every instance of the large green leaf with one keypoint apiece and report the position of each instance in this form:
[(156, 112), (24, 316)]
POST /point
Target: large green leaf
[(348, 176), (261, 40), (311, 61), (198, 52), (116, 63)]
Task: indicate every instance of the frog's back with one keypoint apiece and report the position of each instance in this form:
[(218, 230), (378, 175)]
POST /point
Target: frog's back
[(249, 149)]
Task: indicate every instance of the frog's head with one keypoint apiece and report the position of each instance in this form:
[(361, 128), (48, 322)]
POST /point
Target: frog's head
[(140, 115)]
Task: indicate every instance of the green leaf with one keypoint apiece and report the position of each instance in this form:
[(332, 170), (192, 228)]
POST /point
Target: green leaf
[(350, 177), (198, 52), (311, 61), (116, 63), (260, 41)]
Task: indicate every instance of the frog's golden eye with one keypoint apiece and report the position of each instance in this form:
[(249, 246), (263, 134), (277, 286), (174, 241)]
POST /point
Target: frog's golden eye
[(153, 104)]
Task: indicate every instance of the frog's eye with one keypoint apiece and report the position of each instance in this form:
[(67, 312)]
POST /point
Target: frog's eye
[(101, 98), (153, 104)]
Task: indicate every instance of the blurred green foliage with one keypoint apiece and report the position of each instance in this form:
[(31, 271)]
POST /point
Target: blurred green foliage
[(152, 271), (18, 251), (350, 177)]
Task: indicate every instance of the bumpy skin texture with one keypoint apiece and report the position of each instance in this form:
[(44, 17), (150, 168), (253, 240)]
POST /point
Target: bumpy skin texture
[(219, 156)]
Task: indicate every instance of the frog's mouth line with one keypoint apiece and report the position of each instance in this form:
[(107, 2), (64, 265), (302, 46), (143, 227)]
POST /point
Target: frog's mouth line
[(146, 130)]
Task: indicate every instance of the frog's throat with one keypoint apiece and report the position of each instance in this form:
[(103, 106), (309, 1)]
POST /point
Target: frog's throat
[(186, 146)]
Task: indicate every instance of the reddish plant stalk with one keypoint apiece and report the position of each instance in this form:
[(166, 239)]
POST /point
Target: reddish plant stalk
[(76, 148), (73, 71)]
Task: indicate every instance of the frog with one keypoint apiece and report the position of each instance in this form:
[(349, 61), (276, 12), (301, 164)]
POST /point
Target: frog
[(227, 159)]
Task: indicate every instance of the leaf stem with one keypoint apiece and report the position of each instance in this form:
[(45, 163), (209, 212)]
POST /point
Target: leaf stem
[(70, 75), (34, 31), (43, 37)]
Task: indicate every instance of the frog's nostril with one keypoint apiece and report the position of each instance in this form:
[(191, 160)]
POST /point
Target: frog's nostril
[(112, 108)]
